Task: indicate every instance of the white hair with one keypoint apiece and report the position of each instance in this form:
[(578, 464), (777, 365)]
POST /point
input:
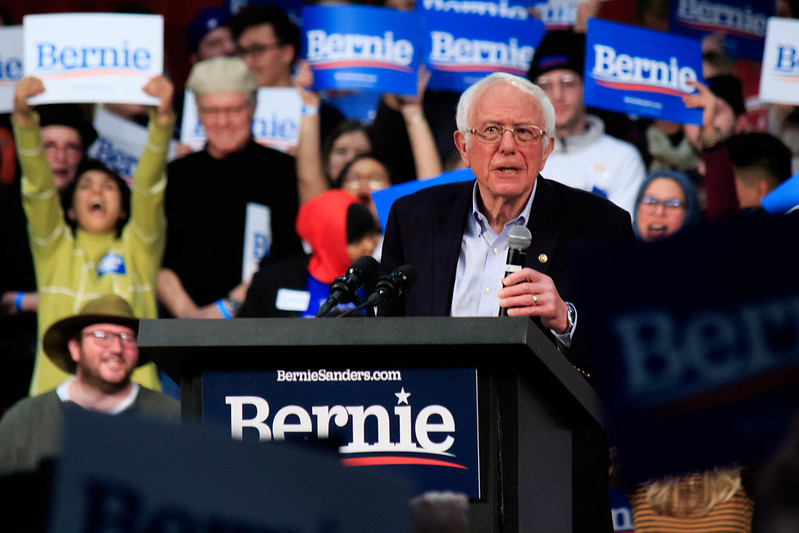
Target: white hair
[(470, 95)]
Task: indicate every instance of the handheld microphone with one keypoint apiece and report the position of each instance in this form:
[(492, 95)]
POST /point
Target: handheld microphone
[(362, 273), (519, 239), (391, 286)]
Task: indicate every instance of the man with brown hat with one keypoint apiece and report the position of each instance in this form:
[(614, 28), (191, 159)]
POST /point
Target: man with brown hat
[(210, 193), (98, 346)]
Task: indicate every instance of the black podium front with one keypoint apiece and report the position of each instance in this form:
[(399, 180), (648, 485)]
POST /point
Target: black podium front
[(530, 397)]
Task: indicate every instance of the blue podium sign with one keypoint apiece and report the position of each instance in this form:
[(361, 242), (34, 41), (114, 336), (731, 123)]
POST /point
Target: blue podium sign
[(401, 422), (641, 72), (362, 47), (742, 22), (462, 49)]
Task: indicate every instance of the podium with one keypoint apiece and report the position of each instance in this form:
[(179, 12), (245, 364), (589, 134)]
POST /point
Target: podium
[(530, 398)]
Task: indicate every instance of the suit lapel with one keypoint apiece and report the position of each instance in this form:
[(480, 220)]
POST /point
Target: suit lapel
[(448, 228), (544, 225)]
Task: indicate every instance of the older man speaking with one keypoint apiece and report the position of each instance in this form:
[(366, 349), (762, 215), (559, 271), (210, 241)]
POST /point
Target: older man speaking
[(456, 236)]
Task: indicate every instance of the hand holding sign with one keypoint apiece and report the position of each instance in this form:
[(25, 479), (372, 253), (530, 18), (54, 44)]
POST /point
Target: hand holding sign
[(160, 87), (26, 88), (708, 102)]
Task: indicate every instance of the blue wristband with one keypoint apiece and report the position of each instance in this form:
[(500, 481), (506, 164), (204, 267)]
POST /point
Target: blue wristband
[(18, 301), (220, 304)]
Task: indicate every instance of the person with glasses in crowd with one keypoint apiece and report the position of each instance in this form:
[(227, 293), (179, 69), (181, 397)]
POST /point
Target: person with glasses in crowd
[(456, 237), (269, 42), (584, 155), (667, 203), (209, 195), (98, 347)]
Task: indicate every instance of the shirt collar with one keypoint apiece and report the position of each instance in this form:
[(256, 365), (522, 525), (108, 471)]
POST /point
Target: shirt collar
[(478, 219)]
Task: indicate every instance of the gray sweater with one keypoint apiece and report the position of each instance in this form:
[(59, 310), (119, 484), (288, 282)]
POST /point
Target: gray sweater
[(31, 430)]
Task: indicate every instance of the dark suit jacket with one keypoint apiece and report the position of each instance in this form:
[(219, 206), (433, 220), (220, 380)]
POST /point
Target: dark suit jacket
[(425, 230)]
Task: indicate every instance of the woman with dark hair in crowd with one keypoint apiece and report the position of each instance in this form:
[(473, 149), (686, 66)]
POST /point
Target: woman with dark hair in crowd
[(315, 170)]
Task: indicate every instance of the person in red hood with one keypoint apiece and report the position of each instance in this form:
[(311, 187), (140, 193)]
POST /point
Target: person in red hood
[(338, 229)]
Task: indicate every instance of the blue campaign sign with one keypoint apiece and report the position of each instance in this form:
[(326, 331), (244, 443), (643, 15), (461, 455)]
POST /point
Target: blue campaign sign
[(399, 422), (384, 199), (461, 49), (641, 72), (742, 22), (504, 9), (695, 369), (784, 198), (362, 47)]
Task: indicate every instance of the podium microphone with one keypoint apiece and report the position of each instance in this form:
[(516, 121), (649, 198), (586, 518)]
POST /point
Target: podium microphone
[(391, 286), (362, 273), (519, 239)]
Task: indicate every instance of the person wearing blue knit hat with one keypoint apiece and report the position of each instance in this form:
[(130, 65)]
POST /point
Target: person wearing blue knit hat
[(208, 36), (667, 203)]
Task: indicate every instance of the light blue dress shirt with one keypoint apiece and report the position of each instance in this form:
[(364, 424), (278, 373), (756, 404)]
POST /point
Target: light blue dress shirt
[(481, 264)]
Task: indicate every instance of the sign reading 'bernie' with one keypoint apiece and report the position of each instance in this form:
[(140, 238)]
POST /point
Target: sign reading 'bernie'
[(100, 57), (741, 22), (648, 81), (400, 422), (780, 68), (362, 47), (10, 65)]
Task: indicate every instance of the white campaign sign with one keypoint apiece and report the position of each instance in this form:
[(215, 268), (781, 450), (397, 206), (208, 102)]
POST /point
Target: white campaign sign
[(93, 57), (120, 143), (779, 77), (276, 123), (10, 65)]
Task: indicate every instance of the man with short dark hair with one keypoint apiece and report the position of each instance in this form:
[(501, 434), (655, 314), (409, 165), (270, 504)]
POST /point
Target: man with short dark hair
[(268, 41), (760, 162), (98, 346)]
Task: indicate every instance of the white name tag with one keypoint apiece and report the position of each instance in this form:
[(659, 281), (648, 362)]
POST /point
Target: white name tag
[(292, 300)]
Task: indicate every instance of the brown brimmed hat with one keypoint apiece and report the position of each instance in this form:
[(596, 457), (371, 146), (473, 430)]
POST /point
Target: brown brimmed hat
[(107, 309)]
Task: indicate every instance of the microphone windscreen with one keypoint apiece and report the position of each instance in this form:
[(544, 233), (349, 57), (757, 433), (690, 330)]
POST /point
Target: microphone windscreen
[(410, 275), (519, 238), (369, 266)]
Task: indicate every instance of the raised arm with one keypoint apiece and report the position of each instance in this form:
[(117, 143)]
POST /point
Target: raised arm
[(40, 198), (311, 179), (149, 182), (423, 145)]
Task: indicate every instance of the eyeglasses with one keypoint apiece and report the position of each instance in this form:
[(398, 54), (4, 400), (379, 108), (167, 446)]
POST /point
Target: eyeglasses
[(106, 338), (669, 204), (216, 111), (523, 134), (566, 82), (374, 182), (256, 50)]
